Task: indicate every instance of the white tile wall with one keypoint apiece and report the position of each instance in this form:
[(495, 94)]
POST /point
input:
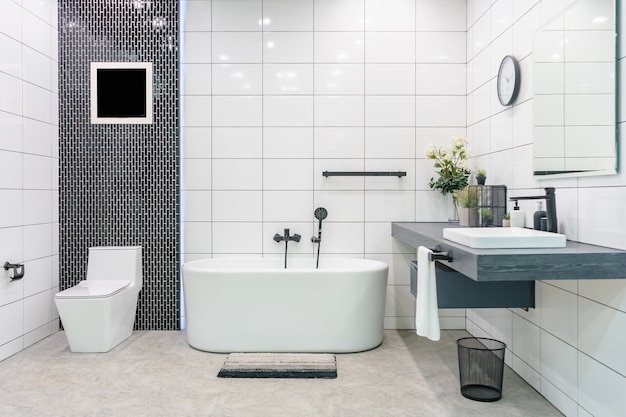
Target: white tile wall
[(29, 162), (570, 347), (314, 85), (276, 92)]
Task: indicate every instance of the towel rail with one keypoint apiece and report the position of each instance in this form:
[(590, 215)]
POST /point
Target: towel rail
[(439, 255), (364, 173)]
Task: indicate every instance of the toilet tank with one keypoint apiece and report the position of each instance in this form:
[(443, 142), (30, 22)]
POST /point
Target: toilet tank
[(115, 263)]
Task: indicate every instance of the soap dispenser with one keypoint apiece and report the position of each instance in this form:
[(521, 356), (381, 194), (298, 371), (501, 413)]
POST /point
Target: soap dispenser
[(538, 215), (517, 217)]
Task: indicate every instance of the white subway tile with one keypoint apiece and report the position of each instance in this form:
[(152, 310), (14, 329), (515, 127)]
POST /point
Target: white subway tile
[(288, 47), (196, 142), (332, 15), (37, 206), (339, 142), (11, 99), (37, 103), (37, 137), (37, 241), (11, 212), (237, 174), (400, 302), (378, 50), (196, 174), (197, 48), (37, 172), (237, 47), (195, 15), (441, 79), (390, 206), (237, 79), (440, 47), (244, 206), (526, 342), (441, 15), (440, 111), (559, 364), (196, 206), (600, 389), (339, 110), (196, 79), (290, 206), (11, 19), (240, 16), (294, 15), (601, 333), (389, 142), (37, 310), (342, 238), (288, 111), (339, 47), (242, 238), (558, 313), (337, 79), (397, 15), (287, 79), (237, 142), (38, 34), (237, 110), (197, 237), (12, 61), (11, 321), (197, 111), (389, 111), (288, 142), (560, 400), (600, 229), (390, 79), (287, 174), (11, 126)]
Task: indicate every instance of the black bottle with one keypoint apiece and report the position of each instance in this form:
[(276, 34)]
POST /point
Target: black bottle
[(538, 215)]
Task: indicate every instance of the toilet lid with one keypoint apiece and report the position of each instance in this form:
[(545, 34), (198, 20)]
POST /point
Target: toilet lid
[(94, 289)]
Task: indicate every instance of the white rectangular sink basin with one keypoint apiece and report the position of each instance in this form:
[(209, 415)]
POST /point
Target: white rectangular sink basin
[(504, 237)]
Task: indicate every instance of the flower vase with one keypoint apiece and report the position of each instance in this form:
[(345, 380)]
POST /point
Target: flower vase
[(453, 210)]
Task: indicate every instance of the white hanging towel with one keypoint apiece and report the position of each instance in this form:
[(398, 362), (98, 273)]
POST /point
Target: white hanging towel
[(426, 310)]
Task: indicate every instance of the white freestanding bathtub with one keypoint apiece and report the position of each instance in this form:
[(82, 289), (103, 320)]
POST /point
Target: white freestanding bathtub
[(256, 305)]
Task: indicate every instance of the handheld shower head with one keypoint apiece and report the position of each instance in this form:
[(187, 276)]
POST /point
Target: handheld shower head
[(320, 214)]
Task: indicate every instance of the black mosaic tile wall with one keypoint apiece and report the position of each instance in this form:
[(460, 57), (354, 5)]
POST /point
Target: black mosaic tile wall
[(119, 183)]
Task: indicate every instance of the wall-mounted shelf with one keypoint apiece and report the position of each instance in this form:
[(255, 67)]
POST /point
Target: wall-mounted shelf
[(575, 261), (364, 173)]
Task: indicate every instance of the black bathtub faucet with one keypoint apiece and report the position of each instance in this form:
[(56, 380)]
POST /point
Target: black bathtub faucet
[(286, 238)]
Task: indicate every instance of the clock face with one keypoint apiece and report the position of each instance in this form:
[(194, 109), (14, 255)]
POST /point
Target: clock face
[(508, 80)]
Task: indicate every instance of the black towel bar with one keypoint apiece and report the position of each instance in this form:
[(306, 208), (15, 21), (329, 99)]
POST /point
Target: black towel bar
[(364, 173)]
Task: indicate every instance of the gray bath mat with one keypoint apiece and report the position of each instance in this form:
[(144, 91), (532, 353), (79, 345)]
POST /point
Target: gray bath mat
[(279, 365)]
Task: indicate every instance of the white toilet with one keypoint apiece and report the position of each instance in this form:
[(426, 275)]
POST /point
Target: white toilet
[(99, 312)]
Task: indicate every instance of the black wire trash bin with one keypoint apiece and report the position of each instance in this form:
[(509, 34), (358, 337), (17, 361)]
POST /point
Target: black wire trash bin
[(481, 368)]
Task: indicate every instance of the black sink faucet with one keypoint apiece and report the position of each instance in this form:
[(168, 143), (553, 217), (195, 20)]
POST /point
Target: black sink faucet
[(286, 238), (550, 198)]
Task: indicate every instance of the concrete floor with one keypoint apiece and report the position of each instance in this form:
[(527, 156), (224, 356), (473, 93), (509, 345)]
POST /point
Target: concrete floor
[(158, 374)]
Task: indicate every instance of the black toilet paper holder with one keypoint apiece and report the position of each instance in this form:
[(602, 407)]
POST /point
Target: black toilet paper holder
[(18, 270)]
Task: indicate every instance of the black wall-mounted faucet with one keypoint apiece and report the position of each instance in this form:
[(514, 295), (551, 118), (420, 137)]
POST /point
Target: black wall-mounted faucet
[(286, 238), (550, 198)]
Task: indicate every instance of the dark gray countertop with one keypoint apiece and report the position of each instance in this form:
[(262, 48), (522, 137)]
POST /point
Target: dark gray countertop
[(576, 261)]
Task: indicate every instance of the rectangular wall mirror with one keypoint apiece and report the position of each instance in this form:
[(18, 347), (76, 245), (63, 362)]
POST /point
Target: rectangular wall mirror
[(574, 92)]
